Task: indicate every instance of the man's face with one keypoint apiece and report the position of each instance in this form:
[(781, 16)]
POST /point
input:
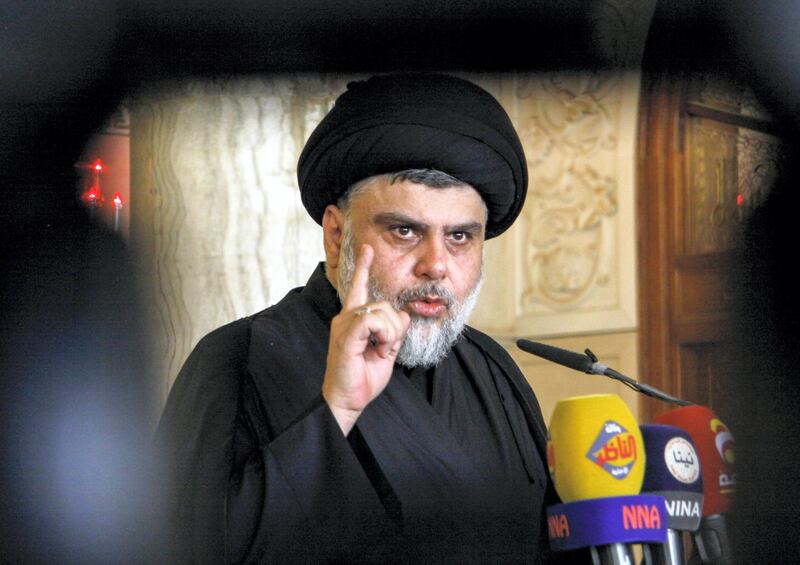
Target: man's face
[(428, 246)]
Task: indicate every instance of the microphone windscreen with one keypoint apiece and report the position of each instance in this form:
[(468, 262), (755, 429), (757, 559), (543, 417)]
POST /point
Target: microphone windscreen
[(595, 448), (672, 470), (557, 355), (715, 446), (672, 462)]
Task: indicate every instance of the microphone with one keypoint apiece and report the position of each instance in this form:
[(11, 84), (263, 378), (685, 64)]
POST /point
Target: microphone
[(589, 363), (582, 363), (596, 459), (672, 470), (715, 445)]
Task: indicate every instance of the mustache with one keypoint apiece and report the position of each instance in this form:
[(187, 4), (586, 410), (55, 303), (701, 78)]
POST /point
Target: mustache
[(426, 290)]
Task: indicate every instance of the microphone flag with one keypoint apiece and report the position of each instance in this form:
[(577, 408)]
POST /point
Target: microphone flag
[(715, 446), (605, 521), (673, 470), (595, 448)]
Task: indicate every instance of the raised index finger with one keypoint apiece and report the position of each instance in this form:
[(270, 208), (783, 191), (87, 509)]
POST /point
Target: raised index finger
[(358, 295)]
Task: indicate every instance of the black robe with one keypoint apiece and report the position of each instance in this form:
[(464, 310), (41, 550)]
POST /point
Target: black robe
[(445, 466)]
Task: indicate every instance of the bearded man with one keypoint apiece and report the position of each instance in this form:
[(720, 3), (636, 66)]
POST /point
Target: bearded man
[(360, 419)]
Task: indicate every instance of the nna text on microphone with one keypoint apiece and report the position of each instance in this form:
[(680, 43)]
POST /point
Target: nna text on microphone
[(715, 446), (596, 458), (673, 471)]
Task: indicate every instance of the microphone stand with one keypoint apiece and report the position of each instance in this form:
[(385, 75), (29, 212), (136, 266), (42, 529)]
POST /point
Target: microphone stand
[(598, 368), (612, 554), (590, 364)]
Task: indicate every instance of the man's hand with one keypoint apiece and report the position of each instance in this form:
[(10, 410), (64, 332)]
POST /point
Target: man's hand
[(364, 341)]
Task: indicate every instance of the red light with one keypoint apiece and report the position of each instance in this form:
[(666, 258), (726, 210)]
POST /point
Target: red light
[(117, 200), (739, 199), (93, 196), (98, 166)]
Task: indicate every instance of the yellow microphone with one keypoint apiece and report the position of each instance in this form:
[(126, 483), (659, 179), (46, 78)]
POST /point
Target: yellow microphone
[(596, 458), (595, 448)]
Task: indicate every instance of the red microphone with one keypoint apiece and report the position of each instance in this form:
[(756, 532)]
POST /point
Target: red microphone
[(715, 446)]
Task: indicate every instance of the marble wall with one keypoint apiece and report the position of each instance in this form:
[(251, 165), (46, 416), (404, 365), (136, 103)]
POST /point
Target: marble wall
[(217, 223)]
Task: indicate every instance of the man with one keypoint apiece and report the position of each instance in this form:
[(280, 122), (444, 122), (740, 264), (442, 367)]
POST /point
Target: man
[(359, 419)]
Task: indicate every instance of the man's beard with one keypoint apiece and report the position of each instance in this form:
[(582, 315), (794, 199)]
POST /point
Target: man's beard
[(425, 344)]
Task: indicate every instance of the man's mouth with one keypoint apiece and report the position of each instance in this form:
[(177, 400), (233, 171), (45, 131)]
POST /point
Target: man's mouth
[(428, 306)]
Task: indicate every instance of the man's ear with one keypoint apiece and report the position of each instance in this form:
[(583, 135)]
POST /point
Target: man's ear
[(332, 231)]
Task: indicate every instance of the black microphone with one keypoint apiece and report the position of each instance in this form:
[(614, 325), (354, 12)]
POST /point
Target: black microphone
[(564, 357), (588, 363)]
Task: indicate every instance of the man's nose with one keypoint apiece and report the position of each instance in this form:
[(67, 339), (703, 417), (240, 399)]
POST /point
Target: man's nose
[(432, 259)]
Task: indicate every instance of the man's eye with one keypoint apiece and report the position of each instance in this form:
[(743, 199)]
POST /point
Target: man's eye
[(459, 236), (404, 231)]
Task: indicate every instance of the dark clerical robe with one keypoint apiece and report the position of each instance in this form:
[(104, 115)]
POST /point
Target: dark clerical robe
[(445, 465)]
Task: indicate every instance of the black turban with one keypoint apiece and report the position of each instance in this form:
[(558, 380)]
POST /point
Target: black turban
[(416, 121)]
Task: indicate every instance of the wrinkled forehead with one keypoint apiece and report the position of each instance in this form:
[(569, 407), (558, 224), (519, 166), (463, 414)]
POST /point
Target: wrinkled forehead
[(434, 205)]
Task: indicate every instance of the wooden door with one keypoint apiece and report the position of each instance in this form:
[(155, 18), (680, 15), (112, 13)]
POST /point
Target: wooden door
[(708, 155)]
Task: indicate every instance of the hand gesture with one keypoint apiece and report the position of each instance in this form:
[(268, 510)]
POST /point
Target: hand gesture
[(364, 341)]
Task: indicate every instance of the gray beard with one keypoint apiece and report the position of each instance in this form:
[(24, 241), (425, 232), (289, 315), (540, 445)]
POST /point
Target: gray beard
[(426, 344)]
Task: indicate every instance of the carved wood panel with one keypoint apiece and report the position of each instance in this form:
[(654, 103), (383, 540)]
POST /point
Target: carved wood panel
[(571, 254)]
